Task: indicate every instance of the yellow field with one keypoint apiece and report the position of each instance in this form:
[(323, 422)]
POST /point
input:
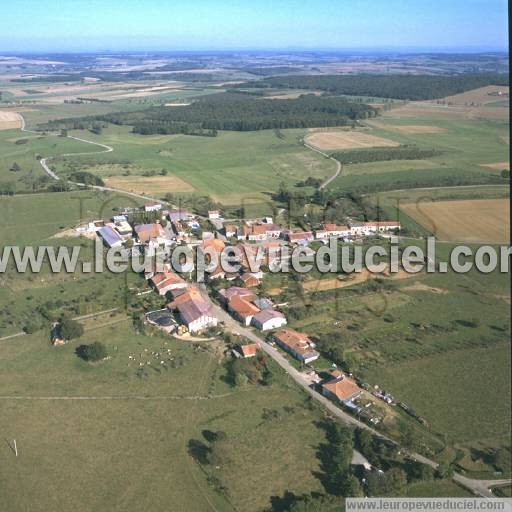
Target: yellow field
[(411, 129), (149, 185), (347, 140), (475, 220), (9, 120), (499, 166)]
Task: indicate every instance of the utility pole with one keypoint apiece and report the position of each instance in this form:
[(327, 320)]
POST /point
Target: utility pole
[(15, 448)]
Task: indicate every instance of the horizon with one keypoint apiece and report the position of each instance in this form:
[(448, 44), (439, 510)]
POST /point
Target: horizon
[(155, 26)]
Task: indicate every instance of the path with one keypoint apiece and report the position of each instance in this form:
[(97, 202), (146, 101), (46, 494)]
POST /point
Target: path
[(326, 155)]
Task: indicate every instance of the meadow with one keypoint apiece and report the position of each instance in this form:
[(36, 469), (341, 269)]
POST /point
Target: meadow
[(231, 167)]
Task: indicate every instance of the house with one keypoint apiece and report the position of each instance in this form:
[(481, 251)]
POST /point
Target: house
[(230, 230), (341, 388), (119, 218), (111, 238), (258, 232), (242, 309), (299, 237), (163, 282), (193, 311), (297, 344), (123, 228), (227, 294), (263, 303), (207, 235), (178, 228), (214, 243), (249, 280), (249, 350), (179, 215), (213, 214), (379, 226), (152, 207), (332, 230), (150, 232), (268, 319)]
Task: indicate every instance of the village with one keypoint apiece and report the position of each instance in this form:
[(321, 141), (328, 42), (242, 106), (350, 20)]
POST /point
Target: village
[(190, 310)]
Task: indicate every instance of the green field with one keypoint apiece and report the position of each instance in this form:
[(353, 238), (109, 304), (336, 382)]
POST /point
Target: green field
[(230, 167), (131, 453)]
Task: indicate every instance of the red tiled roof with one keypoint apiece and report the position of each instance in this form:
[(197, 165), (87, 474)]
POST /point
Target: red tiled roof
[(249, 350), (342, 387)]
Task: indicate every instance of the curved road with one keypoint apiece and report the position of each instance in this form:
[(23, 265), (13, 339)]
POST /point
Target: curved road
[(338, 164), (478, 487)]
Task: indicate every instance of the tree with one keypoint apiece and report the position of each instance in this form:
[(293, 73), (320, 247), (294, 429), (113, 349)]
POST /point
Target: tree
[(70, 329), (444, 470), (502, 459), (350, 487), (94, 352), (15, 167)]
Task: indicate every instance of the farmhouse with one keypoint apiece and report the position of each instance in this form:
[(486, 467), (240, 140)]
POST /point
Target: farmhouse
[(242, 309), (152, 207), (123, 228), (179, 215), (258, 232), (341, 387), (111, 238), (332, 230), (299, 237), (227, 294), (150, 232), (268, 319), (193, 311), (213, 214), (249, 350), (164, 282), (250, 280), (369, 228), (230, 230), (297, 344)]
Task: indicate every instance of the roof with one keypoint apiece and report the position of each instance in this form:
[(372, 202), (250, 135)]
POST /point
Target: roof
[(215, 243), (164, 279), (296, 341), (190, 306), (110, 236), (249, 350), (249, 280), (242, 307), (263, 303), (268, 314), (382, 223), (301, 235), (178, 215), (229, 293), (334, 227), (146, 232), (342, 387)]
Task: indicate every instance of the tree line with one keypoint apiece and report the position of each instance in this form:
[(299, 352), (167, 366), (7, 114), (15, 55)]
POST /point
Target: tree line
[(404, 87), (360, 156)]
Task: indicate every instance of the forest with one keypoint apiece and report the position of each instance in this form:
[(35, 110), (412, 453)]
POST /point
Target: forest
[(403, 87), (239, 112)]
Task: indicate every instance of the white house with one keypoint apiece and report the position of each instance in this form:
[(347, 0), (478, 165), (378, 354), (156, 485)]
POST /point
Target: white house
[(268, 319)]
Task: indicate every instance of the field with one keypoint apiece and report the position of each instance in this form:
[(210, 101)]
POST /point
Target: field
[(9, 120), (149, 184), (498, 165), (408, 128), (347, 140), (231, 167), (477, 220)]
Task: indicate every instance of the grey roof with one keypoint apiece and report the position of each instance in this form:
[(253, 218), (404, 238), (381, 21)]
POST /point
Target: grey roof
[(178, 215), (110, 236), (267, 314), (192, 310), (263, 303)]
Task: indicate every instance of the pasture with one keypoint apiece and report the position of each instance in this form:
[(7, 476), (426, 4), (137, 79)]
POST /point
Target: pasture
[(9, 120), (232, 167), (151, 185), (477, 220)]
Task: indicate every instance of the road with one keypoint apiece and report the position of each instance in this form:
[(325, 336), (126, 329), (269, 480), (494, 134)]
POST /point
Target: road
[(338, 164)]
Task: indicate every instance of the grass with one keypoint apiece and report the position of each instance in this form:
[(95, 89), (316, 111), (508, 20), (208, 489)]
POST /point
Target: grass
[(131, 454), (231, 167), (437, 489)]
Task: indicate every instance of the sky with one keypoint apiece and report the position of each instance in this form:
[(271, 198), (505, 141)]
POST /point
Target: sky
[(174, 25)]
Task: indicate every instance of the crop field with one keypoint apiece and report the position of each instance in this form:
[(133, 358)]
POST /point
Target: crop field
[(477, 220), (149, 184), (347, 140), (497, 165), (231, 167), (9, 120)]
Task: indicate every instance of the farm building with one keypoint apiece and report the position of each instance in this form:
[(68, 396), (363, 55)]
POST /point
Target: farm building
[(268, 319), (341, 387), (150, 232), (164, 282), (193, 311), (152, 207), (242, 309), (227, 294), (179, 215), (299, 237), (250, 280), (258, 232), (332, 230), (230, 230), (213, 214), (111, 238), (297, 344)]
